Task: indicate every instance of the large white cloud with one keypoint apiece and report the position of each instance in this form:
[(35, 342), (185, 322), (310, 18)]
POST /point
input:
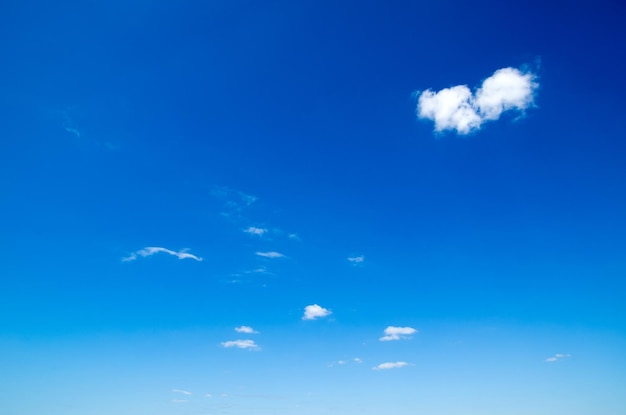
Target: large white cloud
[(314, 311), (151, 250), (457, 108), (397, 333)]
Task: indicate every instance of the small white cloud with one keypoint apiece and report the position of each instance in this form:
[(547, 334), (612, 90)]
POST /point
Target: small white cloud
[(208, 395), (397, 333), (252, 230), (293, 236), (241, 344), (558, 356), (341, 362), (270, 254), (357, 360), (245, 329), (184, 392), (456, 108), (356, 259), (313, 311), (390, 365), (151, 250)]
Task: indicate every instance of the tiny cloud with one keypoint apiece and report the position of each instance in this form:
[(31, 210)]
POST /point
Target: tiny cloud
[(397, 333), (184, 392), (457, 108), (390, 365), (558, 356), (356, 259), (252, 230), (314, 311), (151, 250), (270, 254), (241, 344), (245, 329)]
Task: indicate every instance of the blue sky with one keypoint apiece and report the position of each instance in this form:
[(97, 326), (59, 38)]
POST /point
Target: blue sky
[(312, 208)]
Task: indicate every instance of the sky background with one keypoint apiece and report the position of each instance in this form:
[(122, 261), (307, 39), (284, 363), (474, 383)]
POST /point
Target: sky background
[(273, 153)]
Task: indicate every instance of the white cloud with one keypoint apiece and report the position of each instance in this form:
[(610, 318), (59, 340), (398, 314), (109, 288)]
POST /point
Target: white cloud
[(245, 329), (357, 360), (270, 254), (184, 392), (151, 250), (179, 400), (397, 333), (558, 356), (390, 365), (356, 259), (293, 236), (208, 395), (241, 344), (313, 311), (456, 108), (253, 230)]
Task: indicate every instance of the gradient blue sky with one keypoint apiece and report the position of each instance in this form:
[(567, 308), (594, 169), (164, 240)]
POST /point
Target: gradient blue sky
[(280, 143)]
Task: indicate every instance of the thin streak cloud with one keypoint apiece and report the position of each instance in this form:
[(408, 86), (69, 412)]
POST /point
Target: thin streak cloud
[(151, 250)]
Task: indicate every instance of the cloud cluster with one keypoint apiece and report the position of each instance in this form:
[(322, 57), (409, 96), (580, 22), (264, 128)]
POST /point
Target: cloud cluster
[(390, 365), (314, 311), (558, 356), (151, 250), (241, 344), (397, 333), (457, 108)]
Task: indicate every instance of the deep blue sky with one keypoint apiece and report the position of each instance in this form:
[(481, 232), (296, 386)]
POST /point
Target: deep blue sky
[(180, 125)]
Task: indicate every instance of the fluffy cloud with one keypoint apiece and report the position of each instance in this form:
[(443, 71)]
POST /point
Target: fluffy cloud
[(397, 333), (245, 329), (270, 254), (241, 344), (390, 365), (557, 356), (356, 259), (457, 108), (151, 250), (253, 230), (314, 311)]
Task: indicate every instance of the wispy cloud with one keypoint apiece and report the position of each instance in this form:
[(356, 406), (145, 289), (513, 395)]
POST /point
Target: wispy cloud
[(179, 400), (457, 108), (151, 250), (314, 311), (390, 365), (557, 357), (355, 260), (270, 254), (241, 344), (245, 329), (184, 392), (234, 201), (253, 230), (397, 333)]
